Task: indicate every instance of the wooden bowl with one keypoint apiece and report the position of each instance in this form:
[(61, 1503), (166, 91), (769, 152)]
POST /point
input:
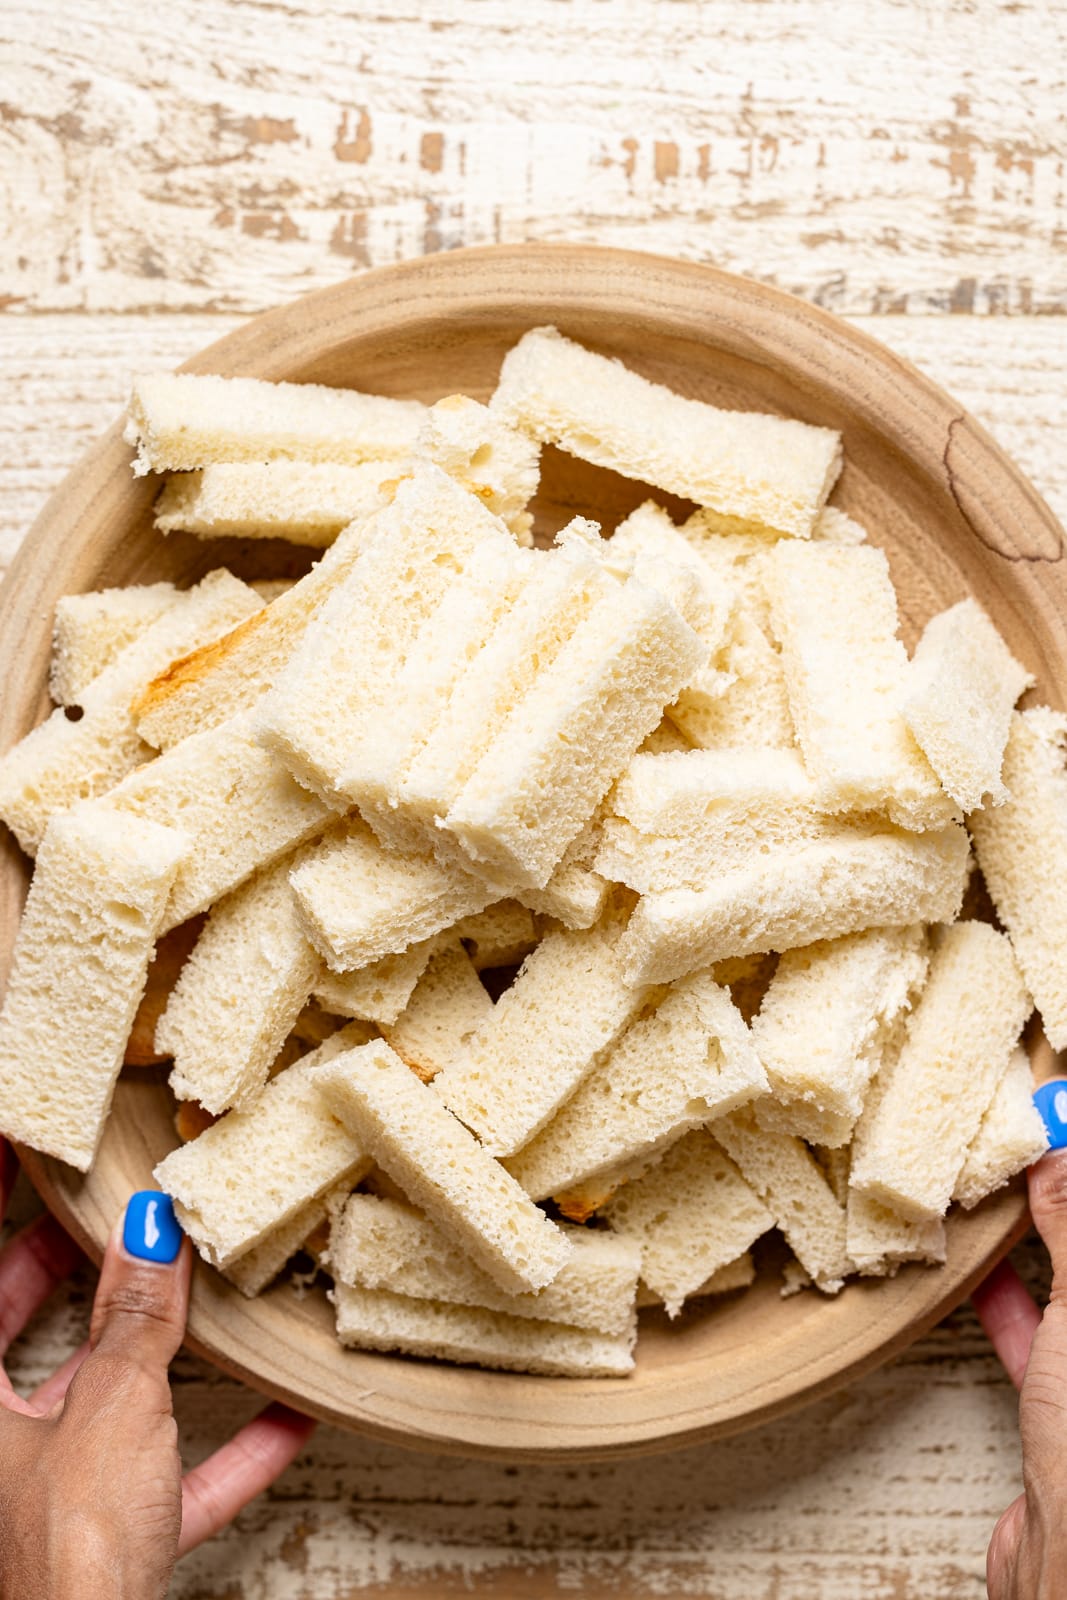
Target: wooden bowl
[(955, 517)]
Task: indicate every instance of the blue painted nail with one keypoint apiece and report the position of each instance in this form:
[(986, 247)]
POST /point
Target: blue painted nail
[(151, 1230), (1051, 1101)]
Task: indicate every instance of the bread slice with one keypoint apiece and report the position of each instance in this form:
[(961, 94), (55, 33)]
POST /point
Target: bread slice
[(573, 733), (1011, 1136), (481, 452), (689, 1059), (788, 1179), (62, 761), (239, 994), (500, 936), (960, 1037), (834, 613), (691, 1215), (544, 1034), (183, 420), (442, 1167), (90, 630), (306, 502), (739, 1274), (360, 902), (447, 1008), (378, 992), (380, 1244), (374, 1319), (962, 685), (78, 971), (762, 468), (1022, 851), (877, 878), (239, 806)]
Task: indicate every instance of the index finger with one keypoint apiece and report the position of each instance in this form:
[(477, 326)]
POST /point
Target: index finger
[(9, 1171)]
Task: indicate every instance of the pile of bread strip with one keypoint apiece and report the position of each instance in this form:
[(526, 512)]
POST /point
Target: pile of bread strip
[(687, 776)]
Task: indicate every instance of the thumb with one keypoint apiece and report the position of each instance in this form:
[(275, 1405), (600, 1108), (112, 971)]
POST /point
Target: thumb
[(143, 1295)]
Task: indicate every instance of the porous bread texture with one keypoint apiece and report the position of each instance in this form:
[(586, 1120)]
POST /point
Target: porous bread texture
[(962, 684), (184, 420), (503, 934), (374, 1319), (766, 469), (664, 739), (238, 804), (231, 674), (576, 894), (378, 992), (739, 1274), (821, 1025), (256, 1268), (90, 630), (568, 1003), (1022, 851), (834, 614), (753, 708), (306, 502), (691, 1215), (254, 1169), (786, 1176), (448, 1006), (575, 730), (690, 1059), (1011, 1136), (380, 1244), (62, 761), (239, 994), (77, 975), (876, 878), (360, 902), (936, 1091), (337, 687), (442, 1168), (495, 462)]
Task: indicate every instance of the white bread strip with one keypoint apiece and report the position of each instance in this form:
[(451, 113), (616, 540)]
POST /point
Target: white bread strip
[(182, 420), (854, 987), (239, 806), (360, 902), (62, 761), (881, 878), (544, 1034), (834, 613), (739, 1274), (77, 975), (378, 992), (306, 502), (90, 630), (1022, 851), (1011, 1136), (880, 1240), (576, 894), (574, 731), (338, 684), (212, 684), (381, 1244), (442, 1168), (787, 1177), (960, 1036), (500, 936), (374, 1319), (962, 685), (748, 465), (691, 1060), (447, 1008), (691, 1215), (239, 994), (258, 1267), (496, 462), (253, 1170)]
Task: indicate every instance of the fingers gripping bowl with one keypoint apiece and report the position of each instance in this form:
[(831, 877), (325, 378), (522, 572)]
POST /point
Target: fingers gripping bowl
[(955, 519)]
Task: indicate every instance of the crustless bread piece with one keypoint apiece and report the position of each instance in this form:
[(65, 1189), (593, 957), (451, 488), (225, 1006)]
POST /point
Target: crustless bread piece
[(739, 1274), (1022, 851), (442, 1167), (758, 467), (378, 992), (183, 420), (258, 1267), (1011, 1136), (78, 972), (62, 761), (90, 630), (447, 1008), (959, 1040), (306, 502)]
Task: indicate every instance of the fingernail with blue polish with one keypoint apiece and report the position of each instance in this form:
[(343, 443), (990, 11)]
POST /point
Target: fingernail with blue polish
[(151, 1230), (1051, 1101)]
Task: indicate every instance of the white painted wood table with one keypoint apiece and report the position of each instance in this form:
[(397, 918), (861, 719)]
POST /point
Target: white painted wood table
[(166, 169)]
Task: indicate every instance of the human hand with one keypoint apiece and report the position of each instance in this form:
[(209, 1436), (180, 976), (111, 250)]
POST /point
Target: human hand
[(92, 1500), (1027, 1557)]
